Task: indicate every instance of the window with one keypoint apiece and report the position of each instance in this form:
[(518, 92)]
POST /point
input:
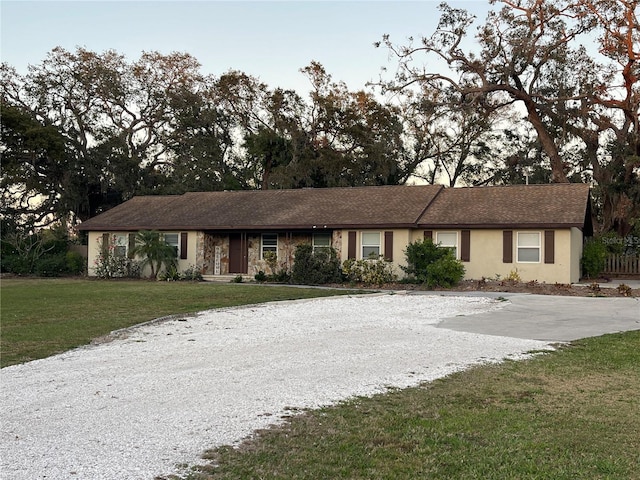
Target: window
[(528, 247), (371, 245), (321, 240), (448, 240), (173, 240), (120, 246), (269, 243)]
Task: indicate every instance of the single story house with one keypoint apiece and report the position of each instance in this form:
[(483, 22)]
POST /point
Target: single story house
[(534, 230)]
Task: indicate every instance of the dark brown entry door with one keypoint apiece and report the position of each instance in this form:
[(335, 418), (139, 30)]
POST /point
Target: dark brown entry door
[(238, 253)]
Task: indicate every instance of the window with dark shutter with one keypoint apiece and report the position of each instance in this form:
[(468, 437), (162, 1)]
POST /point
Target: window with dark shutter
[(465, 245), (549, 246), (388, 246), (507, 246), (351, 245), (183, 245), (428, 234)]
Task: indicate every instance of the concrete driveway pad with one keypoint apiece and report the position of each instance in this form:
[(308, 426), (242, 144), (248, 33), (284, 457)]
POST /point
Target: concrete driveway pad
[(550, 318)]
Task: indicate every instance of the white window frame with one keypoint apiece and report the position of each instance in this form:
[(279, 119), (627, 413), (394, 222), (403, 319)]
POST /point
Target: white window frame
[(176, 244), (318, 246), (268, 246), (528, 247), (455, 246), (120, 245), (369, 244)]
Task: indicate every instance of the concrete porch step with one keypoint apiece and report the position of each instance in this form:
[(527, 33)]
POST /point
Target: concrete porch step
[(227, 278)]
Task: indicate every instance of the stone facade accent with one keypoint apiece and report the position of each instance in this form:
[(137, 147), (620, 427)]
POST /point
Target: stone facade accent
[(210, 242), (287, 243)]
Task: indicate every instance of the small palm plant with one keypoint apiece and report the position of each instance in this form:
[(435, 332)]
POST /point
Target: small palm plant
[(154, 251)]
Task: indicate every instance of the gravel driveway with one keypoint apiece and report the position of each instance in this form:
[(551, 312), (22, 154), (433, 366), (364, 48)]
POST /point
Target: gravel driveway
[(141, 405)]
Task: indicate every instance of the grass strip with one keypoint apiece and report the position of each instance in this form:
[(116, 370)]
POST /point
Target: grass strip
[(41, 317), (574, 413)]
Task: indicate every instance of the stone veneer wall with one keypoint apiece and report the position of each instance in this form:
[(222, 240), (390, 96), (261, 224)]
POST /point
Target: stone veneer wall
[(207, 252), (287, 243)]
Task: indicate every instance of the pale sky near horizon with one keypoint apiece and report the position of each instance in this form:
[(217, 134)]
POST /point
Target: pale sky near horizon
[(271, 40)]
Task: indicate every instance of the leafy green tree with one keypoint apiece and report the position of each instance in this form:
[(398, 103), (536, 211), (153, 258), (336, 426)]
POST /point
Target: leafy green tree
[(154, 251), (35, 162)]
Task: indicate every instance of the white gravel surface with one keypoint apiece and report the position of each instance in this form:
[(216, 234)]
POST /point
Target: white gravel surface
[(143, 404)]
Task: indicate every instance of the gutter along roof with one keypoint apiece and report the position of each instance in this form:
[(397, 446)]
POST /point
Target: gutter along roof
[(398, 206)]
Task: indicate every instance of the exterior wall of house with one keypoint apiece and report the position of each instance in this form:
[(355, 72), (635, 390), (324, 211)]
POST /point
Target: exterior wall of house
[(94, 241), (577, 241), (401, 238), (486, 257), (121, 239), (287, 243), (486, 250), (214, 254)]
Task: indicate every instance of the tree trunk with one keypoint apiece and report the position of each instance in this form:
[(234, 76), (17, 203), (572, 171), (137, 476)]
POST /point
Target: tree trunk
[(558, 174)]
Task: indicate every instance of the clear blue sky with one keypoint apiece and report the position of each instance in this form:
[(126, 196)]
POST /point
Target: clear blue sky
[(268, 39)]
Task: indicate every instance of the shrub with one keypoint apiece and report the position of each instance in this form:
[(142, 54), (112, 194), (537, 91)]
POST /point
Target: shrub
[(513, 277), (51, 265), (624, 290), (192, 274), (271, 258), (315, 267), (75, 263), (370, 271), (594, 255), (432, 265), (170, 274), (260, 276), (446, 272), (18, 264), (110, 265)]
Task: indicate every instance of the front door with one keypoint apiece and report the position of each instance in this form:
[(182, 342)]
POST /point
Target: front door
[(238, 253)]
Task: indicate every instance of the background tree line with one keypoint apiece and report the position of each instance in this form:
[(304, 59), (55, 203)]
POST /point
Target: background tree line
[(549, 91)]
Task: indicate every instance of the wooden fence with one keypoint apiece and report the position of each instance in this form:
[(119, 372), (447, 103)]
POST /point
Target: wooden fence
[(622, 265)]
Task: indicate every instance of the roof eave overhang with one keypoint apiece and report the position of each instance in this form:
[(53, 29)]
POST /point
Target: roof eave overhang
[(498, 226), (305, 227)]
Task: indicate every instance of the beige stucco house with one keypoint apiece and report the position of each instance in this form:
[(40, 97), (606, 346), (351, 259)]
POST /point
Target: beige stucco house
[(534, 230)]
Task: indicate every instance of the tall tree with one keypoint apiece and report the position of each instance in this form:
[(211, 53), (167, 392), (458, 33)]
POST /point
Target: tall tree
[(116, 118), (531, 56), (34, 182)]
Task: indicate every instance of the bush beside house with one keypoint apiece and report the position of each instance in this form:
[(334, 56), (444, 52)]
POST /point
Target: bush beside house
[(432, 265)]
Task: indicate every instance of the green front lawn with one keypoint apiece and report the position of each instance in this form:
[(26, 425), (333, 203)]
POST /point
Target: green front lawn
[(41, 317), (571, 414)]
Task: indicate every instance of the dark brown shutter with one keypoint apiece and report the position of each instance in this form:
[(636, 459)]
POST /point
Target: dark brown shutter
[(465, 245), (428, 234), (507, 246), (549, 246), (351, 245), (388, 246), (183, 245), (132, 244), (105, 243)]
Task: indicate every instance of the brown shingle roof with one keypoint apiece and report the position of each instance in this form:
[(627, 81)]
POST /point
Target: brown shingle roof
[(364, 207), (535, 206)]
